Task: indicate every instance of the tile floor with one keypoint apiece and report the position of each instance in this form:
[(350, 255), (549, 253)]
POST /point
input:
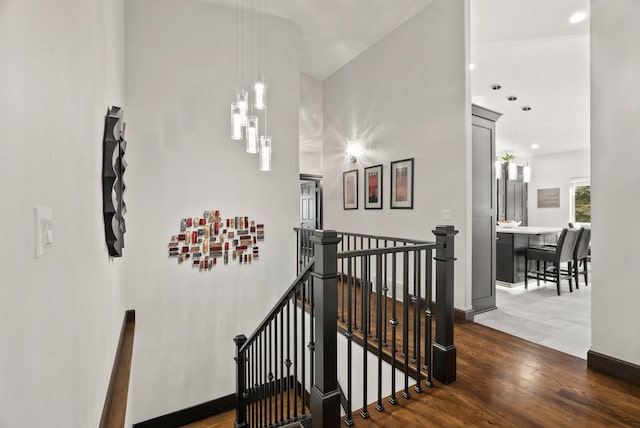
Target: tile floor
[(541, 316)]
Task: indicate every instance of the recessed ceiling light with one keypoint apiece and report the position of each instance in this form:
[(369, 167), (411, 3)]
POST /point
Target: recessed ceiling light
[(512, 98), (577, 17), (526, 108), (496, 87), (534, 146), (472, 67)]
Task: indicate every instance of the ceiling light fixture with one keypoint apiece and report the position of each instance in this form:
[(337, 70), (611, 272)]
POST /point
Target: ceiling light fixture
[(472, 67), (526, 108), (244, 121), (496, 86), (577, 17), (512, 98), (534, 146)]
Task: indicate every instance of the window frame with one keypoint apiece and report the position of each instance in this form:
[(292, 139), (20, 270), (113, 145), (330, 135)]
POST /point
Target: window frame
[(573, 184)]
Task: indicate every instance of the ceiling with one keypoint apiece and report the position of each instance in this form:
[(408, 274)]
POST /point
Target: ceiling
[(531, 49), (336, 31), (527, 46)]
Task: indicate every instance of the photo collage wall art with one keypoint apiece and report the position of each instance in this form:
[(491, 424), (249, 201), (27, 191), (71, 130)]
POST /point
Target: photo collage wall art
[(210, 239)]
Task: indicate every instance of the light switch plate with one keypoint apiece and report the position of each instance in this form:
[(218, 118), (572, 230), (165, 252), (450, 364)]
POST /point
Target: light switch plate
[(43, 234), (445, 214)]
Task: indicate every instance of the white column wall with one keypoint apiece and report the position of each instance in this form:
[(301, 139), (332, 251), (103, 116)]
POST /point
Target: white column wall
[(406, 97), (180, 81), (60, 315), (615, 177)]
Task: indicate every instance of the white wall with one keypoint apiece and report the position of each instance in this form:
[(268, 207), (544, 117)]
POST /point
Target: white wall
[(551, 171), (405, 97), (60, 315), (615, 177), (310, 125), (180, 81)]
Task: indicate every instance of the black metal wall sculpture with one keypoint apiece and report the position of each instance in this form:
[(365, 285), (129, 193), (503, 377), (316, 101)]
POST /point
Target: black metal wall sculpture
[(113, 167)]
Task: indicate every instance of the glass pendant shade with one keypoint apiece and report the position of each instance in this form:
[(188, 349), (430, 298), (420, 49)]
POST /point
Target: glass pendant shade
[(526, 174), (264, 159), (259, 93), (252, 134), (243, 104), (513, 171), (236, 122), (498, 170)]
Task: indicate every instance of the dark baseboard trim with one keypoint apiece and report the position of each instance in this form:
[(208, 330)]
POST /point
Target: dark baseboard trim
[(461, 316), (614, 367), (191, 414)]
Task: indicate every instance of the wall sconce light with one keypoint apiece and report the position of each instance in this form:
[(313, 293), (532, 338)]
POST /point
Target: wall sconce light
[(353, 150)]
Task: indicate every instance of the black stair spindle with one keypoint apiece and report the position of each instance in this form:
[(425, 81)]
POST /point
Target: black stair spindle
[(428, 317), (364, 261), (312, 343), (417, 313), (342, 279), (394, 324), (288, 360), (282, 377), (295, 356), (349, 420), (405, 321), (379, 321), (384, 290), (303, 352), (265, 397)]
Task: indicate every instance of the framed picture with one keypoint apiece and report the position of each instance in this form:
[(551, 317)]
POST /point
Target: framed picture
[(402, 184), (373, 187), (350, 190)]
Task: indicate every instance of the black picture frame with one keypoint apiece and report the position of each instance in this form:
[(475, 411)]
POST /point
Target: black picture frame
[(373, 185), (350, 190), (401, 192)]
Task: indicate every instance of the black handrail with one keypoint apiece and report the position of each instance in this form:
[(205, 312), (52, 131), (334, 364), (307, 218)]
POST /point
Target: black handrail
[(388, 250), (279, 305)]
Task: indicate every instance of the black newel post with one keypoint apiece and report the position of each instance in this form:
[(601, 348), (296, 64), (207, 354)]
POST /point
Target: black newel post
[(241, 410), (444, 351), (325, 395)]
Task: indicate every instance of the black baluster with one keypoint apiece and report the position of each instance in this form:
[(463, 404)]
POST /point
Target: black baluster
[(312, 343), (342, 279), (394, 324), (385, 289), (282, 377), (265, 401), (270, 374), (364, 307), (428, 316), (405, 320), (303, 357), (416, 335), (298, 251), (379, 407), (255, 385), (295, 356), (241, 410), (416, 315), (288, 361), (349, 420), (259, 380), (362, 297)]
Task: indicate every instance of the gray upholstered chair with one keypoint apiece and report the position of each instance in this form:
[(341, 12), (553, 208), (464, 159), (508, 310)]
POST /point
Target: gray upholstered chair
[(552, 259)]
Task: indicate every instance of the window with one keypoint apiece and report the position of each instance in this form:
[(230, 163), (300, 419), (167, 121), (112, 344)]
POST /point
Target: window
[(580, 201)]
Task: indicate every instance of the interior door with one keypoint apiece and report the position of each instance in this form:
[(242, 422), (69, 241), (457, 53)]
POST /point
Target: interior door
[(308, 204), (483, 266)]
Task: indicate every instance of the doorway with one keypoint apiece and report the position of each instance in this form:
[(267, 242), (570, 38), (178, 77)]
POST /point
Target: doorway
[(310, 201)]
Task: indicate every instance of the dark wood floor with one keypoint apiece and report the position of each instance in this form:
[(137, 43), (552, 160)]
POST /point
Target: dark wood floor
[(504, 381), (507, 381)]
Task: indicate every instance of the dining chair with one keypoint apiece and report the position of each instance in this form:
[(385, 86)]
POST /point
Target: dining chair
[(581, 255), (552, 258)]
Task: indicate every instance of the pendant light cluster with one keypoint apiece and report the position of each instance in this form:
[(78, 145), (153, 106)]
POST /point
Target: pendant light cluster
[(247, 106)]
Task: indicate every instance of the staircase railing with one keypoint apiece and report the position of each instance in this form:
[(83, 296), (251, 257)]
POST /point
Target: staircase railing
[(357, 280)]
